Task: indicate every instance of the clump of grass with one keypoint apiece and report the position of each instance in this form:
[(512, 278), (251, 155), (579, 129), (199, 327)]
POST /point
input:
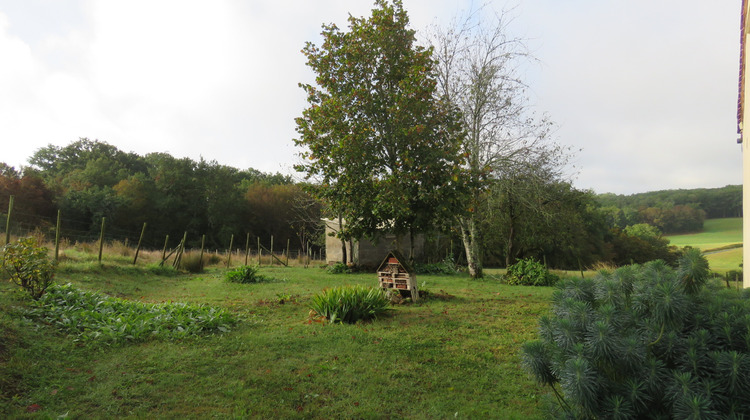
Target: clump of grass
[(118, 248), (93, 317), (214, 259), (192, 262), (350, 304), (245, 274)]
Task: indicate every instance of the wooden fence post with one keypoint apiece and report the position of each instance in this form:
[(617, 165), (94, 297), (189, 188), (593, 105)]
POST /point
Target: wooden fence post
[(203, 245), (271, 250), (140, 240), (247, 247), (57, 237), (259, 251), (101, 240), (287, 252), (7, 221), (164, 250), (180, 250), (229, 254)]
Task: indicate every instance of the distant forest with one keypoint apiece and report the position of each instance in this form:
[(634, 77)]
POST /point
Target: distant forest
[(88, 181), (673, 211), (91, 180)]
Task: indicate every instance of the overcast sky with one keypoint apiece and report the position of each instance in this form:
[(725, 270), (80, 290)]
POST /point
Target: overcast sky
[(646, 89)]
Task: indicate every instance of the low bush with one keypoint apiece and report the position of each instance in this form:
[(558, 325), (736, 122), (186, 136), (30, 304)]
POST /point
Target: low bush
[(192, 262), (529, 272), (93, 317), (245, 274), (447, 266), (646, 341), (350, 304), (28, 266), (338, 268)]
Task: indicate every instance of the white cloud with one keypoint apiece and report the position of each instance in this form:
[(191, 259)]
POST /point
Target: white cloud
[(647, 89)]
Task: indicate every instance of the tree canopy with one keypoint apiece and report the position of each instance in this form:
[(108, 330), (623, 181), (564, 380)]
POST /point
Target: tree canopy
[(385, 153)]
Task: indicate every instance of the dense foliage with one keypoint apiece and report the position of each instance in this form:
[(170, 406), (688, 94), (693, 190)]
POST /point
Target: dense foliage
[(96, 318), (646, 341), (89, 180), (529, 272), (385, 153), (673, 211), (349, 304), (28, 266), (244, 274)]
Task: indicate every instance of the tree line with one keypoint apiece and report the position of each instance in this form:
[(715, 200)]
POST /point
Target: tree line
[(673, 211), (90, 180)]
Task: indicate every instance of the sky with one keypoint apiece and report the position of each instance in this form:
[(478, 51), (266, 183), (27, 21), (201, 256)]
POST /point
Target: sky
[(644, 91)]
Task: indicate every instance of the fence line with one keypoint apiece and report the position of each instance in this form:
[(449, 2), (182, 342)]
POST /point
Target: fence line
[(48, 229)]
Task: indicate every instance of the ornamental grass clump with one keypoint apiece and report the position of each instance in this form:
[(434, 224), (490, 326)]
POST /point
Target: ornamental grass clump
[(646, 341), (350, 304)]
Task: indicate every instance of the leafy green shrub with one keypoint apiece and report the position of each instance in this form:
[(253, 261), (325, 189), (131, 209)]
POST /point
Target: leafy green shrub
[(646, 342), (447, 266), (529, 272), (338, 268), (245, 274), (350, 304), (94, 317), (28, 266)]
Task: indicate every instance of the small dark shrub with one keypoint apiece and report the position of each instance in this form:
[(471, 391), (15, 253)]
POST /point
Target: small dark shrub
[(244, 274), (213, 259), (338, 268), (350, 304), (192, 262), (646, 342), (529, 272), (733, 275), (447, 266), (28, 266)]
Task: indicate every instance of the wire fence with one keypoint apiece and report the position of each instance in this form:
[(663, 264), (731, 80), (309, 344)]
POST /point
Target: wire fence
[(67, 232)]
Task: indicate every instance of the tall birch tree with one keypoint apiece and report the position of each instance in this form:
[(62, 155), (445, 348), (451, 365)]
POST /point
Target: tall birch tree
[(478, 72)]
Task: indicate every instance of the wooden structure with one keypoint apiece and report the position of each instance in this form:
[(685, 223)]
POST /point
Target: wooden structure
[(396, 273)]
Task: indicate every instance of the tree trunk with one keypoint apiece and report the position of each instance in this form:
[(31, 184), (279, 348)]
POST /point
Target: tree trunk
[(411, 246), (509, 246), (343, 242), (470, 239)]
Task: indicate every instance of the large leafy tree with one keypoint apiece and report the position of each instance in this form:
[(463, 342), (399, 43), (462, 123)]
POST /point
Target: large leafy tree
[(384, 151), (478, 73)]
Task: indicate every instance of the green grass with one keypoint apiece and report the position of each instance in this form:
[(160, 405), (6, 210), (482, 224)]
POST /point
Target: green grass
[(721, 239), (717, 233), (454, 355)]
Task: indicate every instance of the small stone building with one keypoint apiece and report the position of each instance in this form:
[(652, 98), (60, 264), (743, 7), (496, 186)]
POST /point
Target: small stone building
[(367, 253)]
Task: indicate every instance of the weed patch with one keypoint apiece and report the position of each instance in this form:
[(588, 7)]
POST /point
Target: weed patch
[(93, 317)]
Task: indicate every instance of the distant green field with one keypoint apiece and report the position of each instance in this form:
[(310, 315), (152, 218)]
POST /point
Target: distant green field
[(717, 233)]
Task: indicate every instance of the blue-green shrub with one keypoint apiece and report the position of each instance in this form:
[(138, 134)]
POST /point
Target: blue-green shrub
[(646, 342)]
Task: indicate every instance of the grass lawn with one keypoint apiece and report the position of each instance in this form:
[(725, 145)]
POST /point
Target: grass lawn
[(717, 233), (455, 355)]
